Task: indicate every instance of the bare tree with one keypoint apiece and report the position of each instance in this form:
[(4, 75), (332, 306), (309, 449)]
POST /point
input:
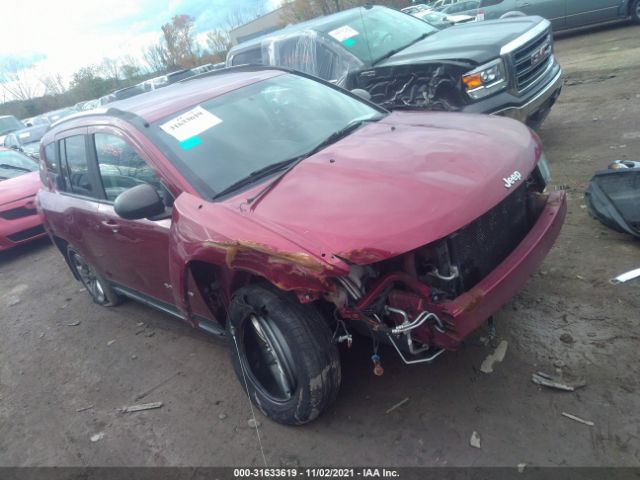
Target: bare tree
[(110, 68), (239, 17), (219, 44), (53, 84), (18, 81), (155, 57)]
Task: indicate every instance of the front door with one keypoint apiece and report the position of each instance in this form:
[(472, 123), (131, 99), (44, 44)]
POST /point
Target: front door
[(552, 10), (135, 252), (587, 12)]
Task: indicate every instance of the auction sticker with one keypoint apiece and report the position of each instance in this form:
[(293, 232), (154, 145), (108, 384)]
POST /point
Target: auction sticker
[(344, 33), (190, 124)]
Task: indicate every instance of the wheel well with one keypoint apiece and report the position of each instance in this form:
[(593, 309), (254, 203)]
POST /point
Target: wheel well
[(216, 285), (62, 246)]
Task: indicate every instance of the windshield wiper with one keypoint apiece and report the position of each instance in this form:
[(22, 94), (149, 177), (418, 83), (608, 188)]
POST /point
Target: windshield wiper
[(289, 163), (334, 137), (14, 167), (253, 176), (396, 50)]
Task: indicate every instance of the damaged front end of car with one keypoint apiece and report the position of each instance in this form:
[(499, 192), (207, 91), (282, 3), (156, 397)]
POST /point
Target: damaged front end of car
[(426, 301)]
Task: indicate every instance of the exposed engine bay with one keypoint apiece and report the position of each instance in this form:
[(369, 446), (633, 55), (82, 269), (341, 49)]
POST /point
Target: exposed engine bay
[(399, 301), (424, 86)]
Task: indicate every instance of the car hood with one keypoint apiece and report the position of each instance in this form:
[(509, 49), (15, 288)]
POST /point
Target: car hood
[(397, 184), (477, 42), (20, 187)]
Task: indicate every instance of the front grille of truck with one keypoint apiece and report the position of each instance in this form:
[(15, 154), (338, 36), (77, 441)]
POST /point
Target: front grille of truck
[(478, 248), (16, 213), (25, 234), (531, 60)]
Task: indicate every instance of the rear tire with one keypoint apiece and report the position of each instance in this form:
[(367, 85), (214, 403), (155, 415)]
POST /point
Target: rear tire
[(98, 288), (283, 354), (635, 11)]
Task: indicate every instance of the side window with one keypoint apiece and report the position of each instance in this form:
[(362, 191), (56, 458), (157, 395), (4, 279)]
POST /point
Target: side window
[(10, 141), (51, 164), (122, 168), (248, 57), (75, 153)]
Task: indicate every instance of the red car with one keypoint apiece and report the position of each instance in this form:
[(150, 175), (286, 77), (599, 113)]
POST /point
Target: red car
[(286, 214), (19, 183)]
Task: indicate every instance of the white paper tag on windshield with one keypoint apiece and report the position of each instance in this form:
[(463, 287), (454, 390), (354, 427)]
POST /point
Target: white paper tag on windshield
[(344, 33), (190, 124), (24, 135)]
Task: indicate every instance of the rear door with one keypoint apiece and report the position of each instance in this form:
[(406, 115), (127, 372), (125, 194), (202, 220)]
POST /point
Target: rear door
[(493, 9), (587, 12), (552, 10)]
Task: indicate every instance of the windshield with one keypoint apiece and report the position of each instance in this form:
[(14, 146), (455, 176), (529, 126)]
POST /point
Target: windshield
[(224, 140), (13, 164), (9, 124), (31, 134), (371, 34)]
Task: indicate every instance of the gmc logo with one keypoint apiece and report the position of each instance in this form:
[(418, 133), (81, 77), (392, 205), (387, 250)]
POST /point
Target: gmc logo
[(540, 54), (512, 179)]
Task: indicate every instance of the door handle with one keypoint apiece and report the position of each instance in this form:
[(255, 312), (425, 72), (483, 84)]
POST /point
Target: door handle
[(113, 226)]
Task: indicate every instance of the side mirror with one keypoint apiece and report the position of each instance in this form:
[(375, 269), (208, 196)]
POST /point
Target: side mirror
[(362, 94), (141, 201)]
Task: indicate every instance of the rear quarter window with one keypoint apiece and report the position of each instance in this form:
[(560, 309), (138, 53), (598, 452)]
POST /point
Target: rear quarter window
[(248, 57)]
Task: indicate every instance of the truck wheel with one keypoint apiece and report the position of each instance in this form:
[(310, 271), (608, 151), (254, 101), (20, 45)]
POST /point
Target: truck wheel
[(283, 354), (99, 289), (635, 11)]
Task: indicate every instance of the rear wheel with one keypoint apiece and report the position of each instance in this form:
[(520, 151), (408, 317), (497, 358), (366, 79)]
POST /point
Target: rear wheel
[(283, 354), (100, 291), (635, 11)]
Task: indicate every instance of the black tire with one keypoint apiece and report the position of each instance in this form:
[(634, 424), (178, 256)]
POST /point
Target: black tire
[(283, 354), (97, 287), (635, 11)]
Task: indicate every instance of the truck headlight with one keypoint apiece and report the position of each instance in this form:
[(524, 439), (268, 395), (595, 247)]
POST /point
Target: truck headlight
[(485, 80), (543, 168)]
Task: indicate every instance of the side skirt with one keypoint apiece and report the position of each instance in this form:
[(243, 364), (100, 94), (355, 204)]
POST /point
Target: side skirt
[(204, 324)]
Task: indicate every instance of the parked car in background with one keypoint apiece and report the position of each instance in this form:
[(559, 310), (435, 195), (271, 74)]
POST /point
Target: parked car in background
[(207, 67), (26, 140), (563, 14), (503, 67), (19, 183), (460, 7), (331, 216), (441, 20), (91, 104), (56, 115), (8, 124), (178, 75)]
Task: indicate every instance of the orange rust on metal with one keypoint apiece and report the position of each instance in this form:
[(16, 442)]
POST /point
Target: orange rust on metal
[(473, 301), (297, 258), (363, 255)]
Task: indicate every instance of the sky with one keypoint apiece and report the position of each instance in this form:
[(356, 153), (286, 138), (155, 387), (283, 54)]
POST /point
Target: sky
[(61, 36)]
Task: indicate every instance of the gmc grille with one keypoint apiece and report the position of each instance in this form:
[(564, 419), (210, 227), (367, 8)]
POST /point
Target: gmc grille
[(531, 60)]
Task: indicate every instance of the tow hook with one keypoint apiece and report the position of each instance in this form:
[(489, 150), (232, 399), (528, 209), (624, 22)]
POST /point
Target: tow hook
[(377, 365)]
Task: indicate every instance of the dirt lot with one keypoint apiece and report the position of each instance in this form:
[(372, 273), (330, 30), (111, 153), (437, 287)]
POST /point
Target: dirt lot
[(51, 366)]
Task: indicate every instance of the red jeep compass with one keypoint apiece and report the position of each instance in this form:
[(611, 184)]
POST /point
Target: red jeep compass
[(286, 214)]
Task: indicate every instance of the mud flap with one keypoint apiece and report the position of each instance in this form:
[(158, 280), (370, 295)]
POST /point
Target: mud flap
[(613, 198)]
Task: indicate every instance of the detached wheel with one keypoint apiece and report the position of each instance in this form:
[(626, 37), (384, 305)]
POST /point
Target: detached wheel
[(283, 354), (100, 291), (635, 11)]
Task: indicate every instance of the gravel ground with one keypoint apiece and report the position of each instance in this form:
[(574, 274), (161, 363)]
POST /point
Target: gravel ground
[(67, 366)]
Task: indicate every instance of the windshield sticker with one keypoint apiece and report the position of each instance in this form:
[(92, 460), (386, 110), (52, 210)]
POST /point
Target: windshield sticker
[(24, 135), (189, 143), (190, 124), (343, 34)]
